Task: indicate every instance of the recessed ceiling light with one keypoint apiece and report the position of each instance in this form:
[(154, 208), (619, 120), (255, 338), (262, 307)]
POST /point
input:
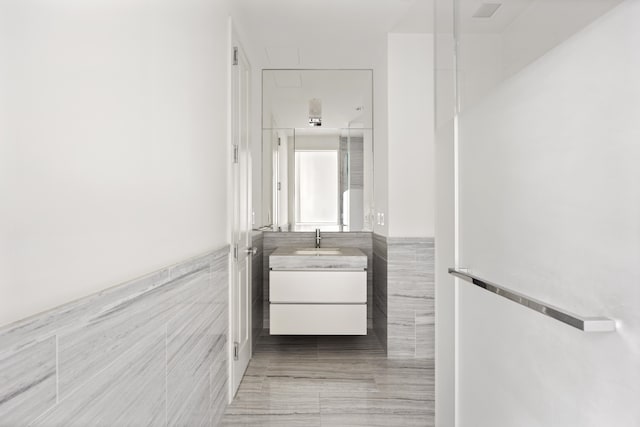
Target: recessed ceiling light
[(486, 10)]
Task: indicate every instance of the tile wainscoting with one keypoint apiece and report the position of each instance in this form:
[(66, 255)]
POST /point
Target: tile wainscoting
[(360, 240), (403, 295), (380, 288), (152, 351), (257, 296)]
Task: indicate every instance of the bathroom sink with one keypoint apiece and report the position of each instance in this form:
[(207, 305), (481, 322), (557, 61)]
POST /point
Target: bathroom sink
[(319, 251), (317, 258)]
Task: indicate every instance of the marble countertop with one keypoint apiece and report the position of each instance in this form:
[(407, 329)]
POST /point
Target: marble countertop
[(323, 258)]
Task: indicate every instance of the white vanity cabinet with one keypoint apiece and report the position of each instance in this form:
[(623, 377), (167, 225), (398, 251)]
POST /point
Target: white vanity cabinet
[(326, 299)]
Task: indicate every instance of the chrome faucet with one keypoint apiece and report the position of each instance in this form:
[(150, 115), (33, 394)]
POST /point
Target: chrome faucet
[(318, 238)]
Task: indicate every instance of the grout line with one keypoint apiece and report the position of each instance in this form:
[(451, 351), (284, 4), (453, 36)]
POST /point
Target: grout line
[(117, 359), (57, 372), (77, 388)]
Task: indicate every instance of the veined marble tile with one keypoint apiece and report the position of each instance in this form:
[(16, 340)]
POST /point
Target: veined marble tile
[(288, 259), (218, 380), (191, 265), (289, 420), (425, 334), (69, 316), (405, 367), (402, 393), (379, 294), (220, 260), (406, 377), (377, 420), (411, 241), (115, 328), (130, 391), (372, 403), (191, 345), (309, 376), (401, 333), (351, 239), (287, 346), (410, 290), (362, 347), (275, 403), (380, 325), (23, 333), (346, 368), (28, 383), (112, 355), (253, 378), (379, 244), (274, 239), (192, 409), (301, 385), (399, 346)]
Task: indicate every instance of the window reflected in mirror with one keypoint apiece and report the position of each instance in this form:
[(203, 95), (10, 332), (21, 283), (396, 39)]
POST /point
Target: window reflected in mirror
[(317, 170)]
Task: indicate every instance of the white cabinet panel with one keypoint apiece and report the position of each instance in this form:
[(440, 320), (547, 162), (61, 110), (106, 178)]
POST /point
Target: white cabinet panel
[(318, 319), (318, 286)]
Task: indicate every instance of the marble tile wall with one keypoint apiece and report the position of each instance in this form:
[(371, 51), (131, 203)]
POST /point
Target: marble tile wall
[(151, 351), (410, 298), (361, 240), (403, 295), (257, 297), (380, 288)]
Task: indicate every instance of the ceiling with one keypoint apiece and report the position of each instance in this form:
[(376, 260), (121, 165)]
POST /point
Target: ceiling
[(346, 97), (350, 33), (326, 33), (341, 34)]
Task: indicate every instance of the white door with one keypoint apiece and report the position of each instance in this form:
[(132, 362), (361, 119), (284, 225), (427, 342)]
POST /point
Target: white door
[(241, 234)]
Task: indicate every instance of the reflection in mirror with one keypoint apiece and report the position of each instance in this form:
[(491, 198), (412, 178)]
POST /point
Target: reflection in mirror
[(298, 98), (318, 173)]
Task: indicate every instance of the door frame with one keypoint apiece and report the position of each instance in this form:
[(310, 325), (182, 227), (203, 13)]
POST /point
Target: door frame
[(234, 42)]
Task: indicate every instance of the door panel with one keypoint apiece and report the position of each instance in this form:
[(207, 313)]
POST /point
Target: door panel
[(241, 235)]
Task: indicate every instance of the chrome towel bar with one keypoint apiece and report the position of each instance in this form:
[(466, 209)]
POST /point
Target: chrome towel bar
[(587, 324)]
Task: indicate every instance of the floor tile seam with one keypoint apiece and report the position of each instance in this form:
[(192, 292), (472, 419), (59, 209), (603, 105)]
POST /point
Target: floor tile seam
[(379, 412), (364, 368), (383, 395), (317, 406), (267, 414)]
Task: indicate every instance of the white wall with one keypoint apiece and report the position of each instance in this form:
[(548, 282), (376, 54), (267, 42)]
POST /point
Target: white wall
[(113, 143), (317, 142), (445, 214), (411, 136), (550, 202), (380, 140)]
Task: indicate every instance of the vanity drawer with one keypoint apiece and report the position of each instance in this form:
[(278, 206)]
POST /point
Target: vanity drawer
[(318, 319), (318, 286)]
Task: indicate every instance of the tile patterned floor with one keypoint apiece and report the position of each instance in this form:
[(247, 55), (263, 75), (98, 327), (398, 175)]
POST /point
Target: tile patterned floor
[(332, 381)]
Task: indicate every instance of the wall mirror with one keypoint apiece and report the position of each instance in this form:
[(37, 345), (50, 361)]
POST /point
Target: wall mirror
[(317, 150)]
